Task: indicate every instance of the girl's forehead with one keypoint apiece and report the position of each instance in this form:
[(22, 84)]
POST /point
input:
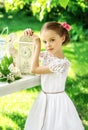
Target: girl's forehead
[(48, 33)]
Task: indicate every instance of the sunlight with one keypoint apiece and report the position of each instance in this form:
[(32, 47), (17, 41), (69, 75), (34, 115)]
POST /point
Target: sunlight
[(1, 15), (84, 90), (10, 1), (6, 120), (85, 122), (72, 73)]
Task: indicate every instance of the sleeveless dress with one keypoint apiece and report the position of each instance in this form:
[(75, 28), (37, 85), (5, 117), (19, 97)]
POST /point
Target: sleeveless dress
[(53, 109)]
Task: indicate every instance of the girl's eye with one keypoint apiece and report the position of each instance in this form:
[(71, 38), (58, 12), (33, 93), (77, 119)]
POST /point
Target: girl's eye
[(52, 40), (44, 42)]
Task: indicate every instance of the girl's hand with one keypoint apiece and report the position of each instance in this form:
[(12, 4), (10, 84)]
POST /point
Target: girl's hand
[(28, 32), (36, 39)]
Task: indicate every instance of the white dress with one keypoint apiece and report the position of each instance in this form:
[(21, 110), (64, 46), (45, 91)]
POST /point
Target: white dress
[(53, 109)]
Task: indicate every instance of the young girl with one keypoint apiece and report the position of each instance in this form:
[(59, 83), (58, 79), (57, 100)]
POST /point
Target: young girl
[(53, 109)]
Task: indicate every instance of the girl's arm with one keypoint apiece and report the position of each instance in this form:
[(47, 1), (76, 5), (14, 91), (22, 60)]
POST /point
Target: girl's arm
[(35, 67)]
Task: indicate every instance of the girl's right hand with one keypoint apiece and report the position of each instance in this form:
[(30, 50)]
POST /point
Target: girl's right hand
[(36, 39), (28, 32)]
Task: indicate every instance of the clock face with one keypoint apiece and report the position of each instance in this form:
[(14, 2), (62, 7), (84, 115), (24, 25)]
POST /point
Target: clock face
[(26, 51)]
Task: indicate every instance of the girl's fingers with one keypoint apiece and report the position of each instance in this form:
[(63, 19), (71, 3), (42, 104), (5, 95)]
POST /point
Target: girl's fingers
[(28, 32)]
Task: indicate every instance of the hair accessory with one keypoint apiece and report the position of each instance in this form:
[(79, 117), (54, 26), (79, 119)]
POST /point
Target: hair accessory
[(66, 26)]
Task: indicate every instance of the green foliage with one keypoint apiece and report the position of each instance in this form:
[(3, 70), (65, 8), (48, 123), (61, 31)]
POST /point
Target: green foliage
[(5, 73), (41, 7), (77, 35), (38, 7), (64, 3), (17, 5), (74, 12), (4, 65)]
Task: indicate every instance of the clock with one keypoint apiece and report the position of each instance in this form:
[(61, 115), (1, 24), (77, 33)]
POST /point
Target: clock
[(26, 51), (25, 54)]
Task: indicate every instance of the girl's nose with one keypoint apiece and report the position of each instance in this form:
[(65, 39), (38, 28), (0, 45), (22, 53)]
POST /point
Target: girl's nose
[(48, 43)]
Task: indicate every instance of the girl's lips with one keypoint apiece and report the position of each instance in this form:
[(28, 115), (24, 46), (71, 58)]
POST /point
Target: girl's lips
[(50, 49)]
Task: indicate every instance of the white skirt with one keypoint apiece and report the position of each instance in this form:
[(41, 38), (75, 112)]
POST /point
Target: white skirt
[(53, 112)]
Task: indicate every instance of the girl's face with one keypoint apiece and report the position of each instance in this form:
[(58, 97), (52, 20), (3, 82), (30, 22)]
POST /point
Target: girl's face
[(52, 41)]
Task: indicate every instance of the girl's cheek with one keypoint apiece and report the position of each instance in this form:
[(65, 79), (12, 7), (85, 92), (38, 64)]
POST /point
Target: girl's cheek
[(58, 46), (44, 46)]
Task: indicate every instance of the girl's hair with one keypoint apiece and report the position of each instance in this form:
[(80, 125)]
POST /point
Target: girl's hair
[(58, 28)]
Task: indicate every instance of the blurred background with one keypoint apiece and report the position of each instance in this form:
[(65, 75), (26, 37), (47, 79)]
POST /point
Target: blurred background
[(18, 15)]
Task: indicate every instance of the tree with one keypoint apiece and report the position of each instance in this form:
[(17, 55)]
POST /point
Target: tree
[(41, 7)]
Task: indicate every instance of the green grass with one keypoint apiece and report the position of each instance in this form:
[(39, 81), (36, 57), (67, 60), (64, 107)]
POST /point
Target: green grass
[(15, 107), (77, 82), (18, 22)]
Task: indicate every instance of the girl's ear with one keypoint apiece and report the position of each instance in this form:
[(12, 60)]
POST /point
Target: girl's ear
[(63, 38)]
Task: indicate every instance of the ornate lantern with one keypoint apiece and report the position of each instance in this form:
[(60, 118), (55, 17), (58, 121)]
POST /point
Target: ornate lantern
[(25, 54)]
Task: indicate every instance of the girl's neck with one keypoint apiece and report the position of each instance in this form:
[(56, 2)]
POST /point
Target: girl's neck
[(59, 54)]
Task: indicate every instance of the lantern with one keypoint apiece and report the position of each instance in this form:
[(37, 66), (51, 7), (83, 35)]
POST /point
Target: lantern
[(25, 54)]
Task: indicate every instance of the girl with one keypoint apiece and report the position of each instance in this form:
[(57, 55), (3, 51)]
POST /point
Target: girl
[(53, 109)]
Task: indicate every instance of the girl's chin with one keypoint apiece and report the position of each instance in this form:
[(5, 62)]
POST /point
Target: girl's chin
[(51, 52)]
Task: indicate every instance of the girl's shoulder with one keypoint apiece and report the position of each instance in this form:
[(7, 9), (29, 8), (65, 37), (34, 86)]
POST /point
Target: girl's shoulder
[(55, 64), (49, 59), (59, 65)]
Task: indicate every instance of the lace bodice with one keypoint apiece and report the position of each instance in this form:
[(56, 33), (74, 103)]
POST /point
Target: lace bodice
[(54, 81)]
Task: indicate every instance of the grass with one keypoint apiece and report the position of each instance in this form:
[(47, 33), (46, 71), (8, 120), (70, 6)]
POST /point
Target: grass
[(15, 107), (77, 82), (18, 22)]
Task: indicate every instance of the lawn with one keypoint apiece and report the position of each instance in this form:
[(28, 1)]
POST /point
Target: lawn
[(15, 107)]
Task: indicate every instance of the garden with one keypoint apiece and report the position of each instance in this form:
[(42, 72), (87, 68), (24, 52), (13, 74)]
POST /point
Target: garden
[(19, 15)]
